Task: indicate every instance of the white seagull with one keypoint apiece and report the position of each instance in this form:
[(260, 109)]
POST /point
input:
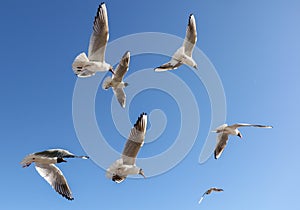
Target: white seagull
[(125, 166), (84, 66), (116, 81), (226, 130), (184, 54), (207, 192), (44, 164)]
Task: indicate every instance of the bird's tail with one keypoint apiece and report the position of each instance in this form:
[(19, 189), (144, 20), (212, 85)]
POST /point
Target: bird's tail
[(106, 83), (80, 61)]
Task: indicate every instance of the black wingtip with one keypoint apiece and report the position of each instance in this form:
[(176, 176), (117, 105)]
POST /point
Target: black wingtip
[(102, 3), (140, 118), (215, 155)]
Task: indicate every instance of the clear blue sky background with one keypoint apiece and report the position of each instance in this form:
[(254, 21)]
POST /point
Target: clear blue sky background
[(255, 48)]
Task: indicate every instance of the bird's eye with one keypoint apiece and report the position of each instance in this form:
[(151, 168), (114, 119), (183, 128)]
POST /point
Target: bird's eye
[(33, 158)]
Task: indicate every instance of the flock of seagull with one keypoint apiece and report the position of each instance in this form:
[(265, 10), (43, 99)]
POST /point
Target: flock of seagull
[(87, 66)]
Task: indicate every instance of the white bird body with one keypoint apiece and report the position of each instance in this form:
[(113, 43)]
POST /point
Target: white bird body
[(44, 164), (183, 55), (116, 81), (125, 166), (122, 170), (226, 130), (87, 66)]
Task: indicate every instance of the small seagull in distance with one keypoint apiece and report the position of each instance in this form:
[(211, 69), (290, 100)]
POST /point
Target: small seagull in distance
[(116, 81), (121, 168), (184, 54), (226, 130), (84, 66), (209, 191), (44, 164)]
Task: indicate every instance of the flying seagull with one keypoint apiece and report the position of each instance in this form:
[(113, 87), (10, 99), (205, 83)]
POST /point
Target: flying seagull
[(224, 132), (87, 66), (116, 81), (125, 166), (210, 191), (45, 165), (184, 54)]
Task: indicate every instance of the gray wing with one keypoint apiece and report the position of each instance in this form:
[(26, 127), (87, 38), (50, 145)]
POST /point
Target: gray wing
[(120, 94), (99, 36), (55, 178), (55, 153), (237, 125), (221, 144), (190, 37), (171, 65), (122, 68), (135, 140)]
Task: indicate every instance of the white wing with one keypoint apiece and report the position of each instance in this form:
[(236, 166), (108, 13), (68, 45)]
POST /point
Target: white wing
[(200, 199), (221, 144), (99, 36), (120, 94), (122, 68), (220, 128), (237, 125), (55, 178), (190, 37), (135, 140)]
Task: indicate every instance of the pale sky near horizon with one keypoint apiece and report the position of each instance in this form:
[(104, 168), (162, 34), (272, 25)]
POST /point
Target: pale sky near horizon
[(255, 49)]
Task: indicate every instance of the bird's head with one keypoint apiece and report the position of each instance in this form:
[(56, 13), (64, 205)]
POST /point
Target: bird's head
[(60, 160), (141, 172), (239, 135), (116, 178)]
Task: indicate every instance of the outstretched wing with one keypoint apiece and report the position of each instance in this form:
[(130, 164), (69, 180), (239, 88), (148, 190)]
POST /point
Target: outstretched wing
[(190, 36), (122, 68), (237, 125), (99, 36), (135, 140), (221, 144), (207, 192), (171, 65), (55, 178), (55, 153), (120, 94)]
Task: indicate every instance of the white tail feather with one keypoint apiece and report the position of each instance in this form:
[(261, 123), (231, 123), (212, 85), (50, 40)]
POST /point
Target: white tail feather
[(106, 83)]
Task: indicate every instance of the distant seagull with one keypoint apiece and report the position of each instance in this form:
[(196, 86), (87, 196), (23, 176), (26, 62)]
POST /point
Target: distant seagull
[(184, 54), (209, 191), (116, 81), (125, 166), (84, 66), (44, 164), (224, 132)]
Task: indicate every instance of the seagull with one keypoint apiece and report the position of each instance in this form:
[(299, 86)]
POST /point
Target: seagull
[(184, 54), (209, 191), (224, 132), (45, 165), (116, 81), (87, 66), (125, 166)]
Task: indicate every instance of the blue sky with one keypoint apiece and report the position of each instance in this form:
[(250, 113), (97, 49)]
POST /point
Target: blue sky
[(255, 49)]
